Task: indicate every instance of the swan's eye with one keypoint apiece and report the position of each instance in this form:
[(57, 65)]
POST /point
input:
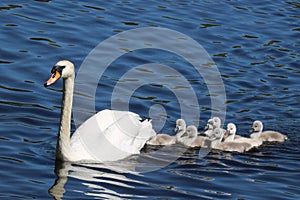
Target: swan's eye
[(57, 68)]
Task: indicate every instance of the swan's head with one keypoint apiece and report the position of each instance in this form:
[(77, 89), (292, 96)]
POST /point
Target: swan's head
[(180, 125), (62, 69), (257, 126)]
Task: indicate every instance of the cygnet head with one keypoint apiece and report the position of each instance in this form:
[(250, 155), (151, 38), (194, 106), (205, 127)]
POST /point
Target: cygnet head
[(216, 122), (62, 69), (209, 125), (257, 126), (192, 131), (231, 129), (213, 123), (180, 125)]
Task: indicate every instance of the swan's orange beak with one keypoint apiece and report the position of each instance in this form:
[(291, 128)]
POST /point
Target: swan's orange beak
[(54, 77)]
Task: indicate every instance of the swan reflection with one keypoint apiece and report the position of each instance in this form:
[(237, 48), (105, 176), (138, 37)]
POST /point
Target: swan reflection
[(102, 178), (97, 177)]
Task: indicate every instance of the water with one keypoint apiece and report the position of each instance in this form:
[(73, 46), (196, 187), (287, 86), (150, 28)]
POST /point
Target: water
[(255, 45)]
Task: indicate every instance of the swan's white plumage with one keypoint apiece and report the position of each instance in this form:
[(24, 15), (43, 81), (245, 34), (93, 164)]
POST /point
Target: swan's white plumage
[(109, 135)]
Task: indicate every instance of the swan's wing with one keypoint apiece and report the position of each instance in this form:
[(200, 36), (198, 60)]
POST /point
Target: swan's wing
[(112, 135)]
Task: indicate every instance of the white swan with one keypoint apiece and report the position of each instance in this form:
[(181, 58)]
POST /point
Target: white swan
[(216, 143), (266, 136), (106, 136), (165, 139)]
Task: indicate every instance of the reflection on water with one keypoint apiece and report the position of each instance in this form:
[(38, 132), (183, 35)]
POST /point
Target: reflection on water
[(100, 177), (203, 177), (94, 176)]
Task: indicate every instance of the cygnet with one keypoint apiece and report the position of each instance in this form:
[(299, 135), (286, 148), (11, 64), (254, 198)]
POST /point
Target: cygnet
[(213, 123), (231, 131), (230, 143), (266, 136), (189, 137), (165, 139)]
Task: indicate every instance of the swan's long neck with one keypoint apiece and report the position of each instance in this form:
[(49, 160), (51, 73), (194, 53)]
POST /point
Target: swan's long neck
[(63, 148)]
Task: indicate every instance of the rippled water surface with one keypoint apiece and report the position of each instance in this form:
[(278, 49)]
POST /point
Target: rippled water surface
[(254, 44)]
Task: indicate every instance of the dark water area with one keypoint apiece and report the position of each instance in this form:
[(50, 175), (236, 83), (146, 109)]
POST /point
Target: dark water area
[(254, 44)]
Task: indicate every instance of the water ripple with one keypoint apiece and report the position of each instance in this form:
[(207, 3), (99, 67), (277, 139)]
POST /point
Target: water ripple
[(255, 46)]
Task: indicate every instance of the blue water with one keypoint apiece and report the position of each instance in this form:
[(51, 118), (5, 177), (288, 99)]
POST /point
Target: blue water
[(255, 46)]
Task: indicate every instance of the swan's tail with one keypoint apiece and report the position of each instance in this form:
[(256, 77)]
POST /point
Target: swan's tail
[(146, 132)]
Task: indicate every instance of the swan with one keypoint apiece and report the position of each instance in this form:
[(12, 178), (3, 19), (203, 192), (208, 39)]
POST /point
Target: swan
[(266, 136), (190, 136), (108, 135), (165, 139), (216, 143)]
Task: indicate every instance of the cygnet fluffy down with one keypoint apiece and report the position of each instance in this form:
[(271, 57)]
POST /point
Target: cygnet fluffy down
[(266, 136), (254, 142), (165, 139)]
